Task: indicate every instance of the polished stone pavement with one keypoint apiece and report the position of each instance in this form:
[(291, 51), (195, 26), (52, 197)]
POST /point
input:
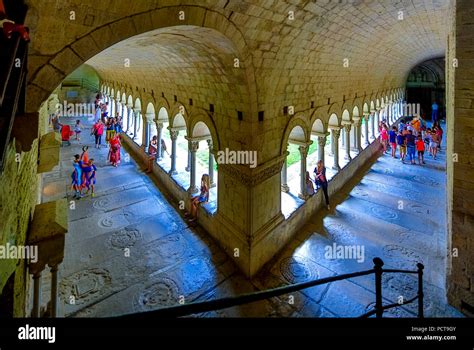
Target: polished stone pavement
[(128, 249)]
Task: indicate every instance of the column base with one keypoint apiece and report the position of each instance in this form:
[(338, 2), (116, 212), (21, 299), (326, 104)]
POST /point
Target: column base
[(372, 137), (303, 196), (285, 188), (213, 184), (336, 167), (348, 157), (193, 190), (173, 172), (188, 169)]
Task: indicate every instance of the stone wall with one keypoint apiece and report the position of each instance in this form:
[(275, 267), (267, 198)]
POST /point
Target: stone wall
[(18, 197), (460, 97)]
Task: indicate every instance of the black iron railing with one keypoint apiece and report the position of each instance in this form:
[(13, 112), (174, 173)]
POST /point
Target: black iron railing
[(223, 303)]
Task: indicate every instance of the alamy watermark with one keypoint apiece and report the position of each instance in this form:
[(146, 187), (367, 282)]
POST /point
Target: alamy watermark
[(346, 252), (67, 109), (228, 156), (10, 251)]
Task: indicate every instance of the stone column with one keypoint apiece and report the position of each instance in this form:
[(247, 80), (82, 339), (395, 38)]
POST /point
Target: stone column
[(211, 163), (331, 151), (193, 146), (372, 126), (377, 121), (321, 145), (284, 177), (129, 116), (336, 133), (366, 130), (159, 128), (36, 294), (347, 130), (174, 136), (358, 135), (303, 153), (188, 166), (135, 125), (54, 291), (118, 107)]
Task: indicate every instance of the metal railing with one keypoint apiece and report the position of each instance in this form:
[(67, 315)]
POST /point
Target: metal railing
[(223, 303)]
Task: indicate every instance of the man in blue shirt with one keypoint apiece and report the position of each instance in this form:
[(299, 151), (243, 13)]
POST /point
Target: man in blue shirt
[(434, 112), (410, 138), (392, 139), (402, 146)]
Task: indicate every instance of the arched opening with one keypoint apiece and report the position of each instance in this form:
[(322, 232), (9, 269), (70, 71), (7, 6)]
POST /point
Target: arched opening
[(293, 177), (138, 126), (204, 162)]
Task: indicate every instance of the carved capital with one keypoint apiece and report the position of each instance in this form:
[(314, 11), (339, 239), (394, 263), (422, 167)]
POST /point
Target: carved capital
[(303, 151), (174, 134), (193, 146), (322, 141), (336, 134)]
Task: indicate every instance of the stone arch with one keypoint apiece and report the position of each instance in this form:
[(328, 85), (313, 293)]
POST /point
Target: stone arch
[(297, 128), (346, 116), (202, 125), (356, 112), (177, 117), (137, 104), (112, 93), (372, 107), (150, 113), (162, 102), (335, 108), (156, 18), (318, 127), (334, 121), (366, 108), (162, 116)]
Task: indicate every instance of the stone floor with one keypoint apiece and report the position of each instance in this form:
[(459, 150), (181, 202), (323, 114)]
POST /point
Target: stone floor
[(128, 249)]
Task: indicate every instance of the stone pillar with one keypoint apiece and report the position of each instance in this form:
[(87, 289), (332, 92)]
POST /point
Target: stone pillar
[(331, 151), (321, 145), (174, 136), (303, 153), (347, 130), (372, 126), (336, 133), (135, 125), (54, 291), (211, 163), (284, 177), (358, 134), (377, 121), (118, 107), (193, 146), (36, 294), (366, 130), (188, 166), (129, 116), (159, 128)]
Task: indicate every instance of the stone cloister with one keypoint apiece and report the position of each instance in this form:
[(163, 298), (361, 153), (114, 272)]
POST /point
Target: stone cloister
[(284, 80)]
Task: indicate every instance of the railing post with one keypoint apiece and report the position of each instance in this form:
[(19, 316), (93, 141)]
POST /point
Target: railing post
[(420, 290), (378, 263)]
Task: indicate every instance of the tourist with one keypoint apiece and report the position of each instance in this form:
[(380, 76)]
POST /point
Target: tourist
[(434, 112), (384, 138), (392, 135), (203, 197), (77, 130), (321, 180), (411, 141), (152, 150), (434, 143), (309, 185), (89, 170), (439, 133), (85, 154), (66, 134), (114, 151), (98, 131), (76, 176), (110, 130), (401, 141), (420, 147), (163, 148), (56, 123), (118, 124)]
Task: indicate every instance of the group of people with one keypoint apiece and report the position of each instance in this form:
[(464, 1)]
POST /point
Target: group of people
[(84, 174), (412, 139)]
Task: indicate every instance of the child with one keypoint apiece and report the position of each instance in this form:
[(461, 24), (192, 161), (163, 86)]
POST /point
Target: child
[(76, 176), (89, 176), (420, 147), (77, 130), (402, 145)]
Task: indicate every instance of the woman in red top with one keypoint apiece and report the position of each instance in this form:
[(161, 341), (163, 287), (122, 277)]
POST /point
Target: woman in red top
[(420, 147), (384, 138), (98, 131)]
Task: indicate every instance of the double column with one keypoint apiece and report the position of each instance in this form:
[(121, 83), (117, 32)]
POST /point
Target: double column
[(347, 132), (366, 129), (159, 148), (358, 135), (193, 146), (303, 148), (335, 133), (211, 162), (174, 137)]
